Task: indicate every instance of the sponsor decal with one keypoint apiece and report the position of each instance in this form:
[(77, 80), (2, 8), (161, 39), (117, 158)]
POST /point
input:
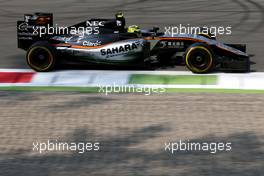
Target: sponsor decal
[(109, 52), (94, 26), (62, 38), (169, 44), (23, 26), (25, 38), (89, 43), (95, 23)]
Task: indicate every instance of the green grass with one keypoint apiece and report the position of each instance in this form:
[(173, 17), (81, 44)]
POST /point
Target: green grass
[(173, 79), (96, 90)]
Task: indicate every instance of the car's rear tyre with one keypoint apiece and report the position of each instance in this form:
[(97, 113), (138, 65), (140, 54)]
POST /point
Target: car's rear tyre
[(199, 58), (41, 57)]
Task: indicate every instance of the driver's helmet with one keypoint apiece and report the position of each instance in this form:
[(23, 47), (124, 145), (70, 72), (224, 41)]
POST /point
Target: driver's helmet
[(120, 19), (119, 15), (133, 29)]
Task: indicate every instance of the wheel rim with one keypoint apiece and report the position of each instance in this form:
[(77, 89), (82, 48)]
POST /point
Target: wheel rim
[(40, 58), (199, 59)]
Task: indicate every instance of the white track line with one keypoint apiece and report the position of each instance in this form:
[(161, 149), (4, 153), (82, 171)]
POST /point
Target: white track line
[(94, 78)]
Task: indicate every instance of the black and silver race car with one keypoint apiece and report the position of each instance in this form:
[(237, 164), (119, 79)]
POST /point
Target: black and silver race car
[(108, 41)]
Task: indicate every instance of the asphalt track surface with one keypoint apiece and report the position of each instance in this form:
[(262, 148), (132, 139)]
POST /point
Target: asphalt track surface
[(132, 130), (245, 16)]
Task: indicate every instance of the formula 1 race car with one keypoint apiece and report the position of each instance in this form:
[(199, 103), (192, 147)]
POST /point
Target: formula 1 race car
[(108, 41)]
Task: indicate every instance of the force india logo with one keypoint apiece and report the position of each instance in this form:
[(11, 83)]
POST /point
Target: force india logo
[(110, 52)]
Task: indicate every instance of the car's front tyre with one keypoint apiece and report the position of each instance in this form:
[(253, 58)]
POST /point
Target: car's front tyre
[(199, 58)]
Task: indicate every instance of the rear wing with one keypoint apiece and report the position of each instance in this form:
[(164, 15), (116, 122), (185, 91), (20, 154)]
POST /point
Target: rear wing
[(26, 29)]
